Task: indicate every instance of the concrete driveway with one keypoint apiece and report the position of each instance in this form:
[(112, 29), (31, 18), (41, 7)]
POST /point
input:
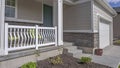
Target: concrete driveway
[(111, 57), (112, 51)]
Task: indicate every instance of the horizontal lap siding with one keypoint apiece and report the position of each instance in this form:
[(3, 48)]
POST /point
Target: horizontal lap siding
[(29, 10), (97, 9), (116, 26), (77, 17)]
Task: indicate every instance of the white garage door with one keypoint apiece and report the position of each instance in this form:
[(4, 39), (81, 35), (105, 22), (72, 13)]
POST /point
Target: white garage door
[(104, 34)]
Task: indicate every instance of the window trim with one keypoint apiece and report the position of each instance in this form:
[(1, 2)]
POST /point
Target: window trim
[(15, 7)]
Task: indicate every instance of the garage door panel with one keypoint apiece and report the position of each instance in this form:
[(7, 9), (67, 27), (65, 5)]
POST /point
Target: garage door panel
[(104, 34)]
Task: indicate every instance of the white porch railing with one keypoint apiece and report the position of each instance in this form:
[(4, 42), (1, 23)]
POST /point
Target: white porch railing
[(25, 37)]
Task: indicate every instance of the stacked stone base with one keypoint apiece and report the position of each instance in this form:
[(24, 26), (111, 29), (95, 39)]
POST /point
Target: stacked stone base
[(85, 41)]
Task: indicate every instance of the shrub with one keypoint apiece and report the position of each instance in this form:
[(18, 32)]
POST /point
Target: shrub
[(119, 66), (56, 60), (117, 42), (85, 59), (29, 65)]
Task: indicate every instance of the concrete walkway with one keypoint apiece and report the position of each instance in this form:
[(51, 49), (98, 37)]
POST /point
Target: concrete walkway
[(111, 57)]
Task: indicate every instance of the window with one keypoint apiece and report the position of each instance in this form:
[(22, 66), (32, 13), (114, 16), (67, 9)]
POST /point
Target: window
[(10, 6)]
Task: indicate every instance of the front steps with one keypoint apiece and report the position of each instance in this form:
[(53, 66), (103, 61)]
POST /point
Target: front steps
[(106, 59), (77, 53)]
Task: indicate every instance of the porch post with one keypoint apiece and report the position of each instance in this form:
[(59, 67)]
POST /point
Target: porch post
[(60, 22), (2, 17)]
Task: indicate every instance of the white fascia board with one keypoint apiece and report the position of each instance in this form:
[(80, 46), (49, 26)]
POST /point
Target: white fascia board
[(22, 20), (70, 2), (80, 31), (105, 4)]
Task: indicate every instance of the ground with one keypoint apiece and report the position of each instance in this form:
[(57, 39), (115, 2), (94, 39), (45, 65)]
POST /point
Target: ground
[(69, 62)]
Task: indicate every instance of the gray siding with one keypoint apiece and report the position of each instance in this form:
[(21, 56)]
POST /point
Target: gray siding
[(77, 17), (116, 26), (97, 9), (29, 10)]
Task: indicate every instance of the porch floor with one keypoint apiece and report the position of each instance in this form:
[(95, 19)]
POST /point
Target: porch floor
[(22, 53)]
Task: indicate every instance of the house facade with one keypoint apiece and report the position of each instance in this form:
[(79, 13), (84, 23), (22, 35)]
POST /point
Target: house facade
[(28, 26), (89, 24)]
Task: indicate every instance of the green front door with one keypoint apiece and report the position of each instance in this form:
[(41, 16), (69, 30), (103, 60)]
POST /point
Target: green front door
[(48, 16)]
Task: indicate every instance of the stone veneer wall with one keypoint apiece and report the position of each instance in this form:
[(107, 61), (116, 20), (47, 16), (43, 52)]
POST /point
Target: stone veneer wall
[(88, 41)]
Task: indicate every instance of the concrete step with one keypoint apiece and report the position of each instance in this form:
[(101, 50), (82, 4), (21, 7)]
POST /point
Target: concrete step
[(75, 51), (68, 44), (71, 48)]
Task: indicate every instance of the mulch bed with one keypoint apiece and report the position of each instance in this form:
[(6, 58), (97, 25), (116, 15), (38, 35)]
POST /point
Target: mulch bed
[(68, 62)]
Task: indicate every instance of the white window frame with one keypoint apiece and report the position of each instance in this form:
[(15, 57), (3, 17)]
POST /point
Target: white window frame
[(16, 3)]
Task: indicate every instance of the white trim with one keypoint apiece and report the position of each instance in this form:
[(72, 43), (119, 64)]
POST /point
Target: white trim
[(76, 31), (110, 28), (92, 17), (2, 16), (22, 20), (6, 38), (101, 16)]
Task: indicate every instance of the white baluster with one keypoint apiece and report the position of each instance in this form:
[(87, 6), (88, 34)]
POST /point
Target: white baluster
[(18, 35), (15, 39), (21, 32), (25, 37), (42, 34), (28, 37)]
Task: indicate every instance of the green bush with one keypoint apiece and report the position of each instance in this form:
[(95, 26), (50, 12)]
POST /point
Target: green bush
[(56, 60), (85, 59), (117, 42), (29, 65), (119, 66)]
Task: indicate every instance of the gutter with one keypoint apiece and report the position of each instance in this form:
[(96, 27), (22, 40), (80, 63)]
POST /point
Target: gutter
[(105, 4)]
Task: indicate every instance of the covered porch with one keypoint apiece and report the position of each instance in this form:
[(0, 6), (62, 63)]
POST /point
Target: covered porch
[(26, 24)]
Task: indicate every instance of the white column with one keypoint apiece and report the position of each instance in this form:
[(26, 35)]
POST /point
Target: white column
[(2, 17), (58, 19), (60, 22)]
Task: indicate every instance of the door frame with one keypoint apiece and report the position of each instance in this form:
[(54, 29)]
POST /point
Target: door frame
[(51, 14)]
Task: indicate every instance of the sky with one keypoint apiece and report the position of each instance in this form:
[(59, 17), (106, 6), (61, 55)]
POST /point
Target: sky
[(114, 3)]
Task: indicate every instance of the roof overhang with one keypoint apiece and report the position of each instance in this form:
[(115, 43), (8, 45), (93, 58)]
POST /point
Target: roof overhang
[(74, 2), (105, 4)]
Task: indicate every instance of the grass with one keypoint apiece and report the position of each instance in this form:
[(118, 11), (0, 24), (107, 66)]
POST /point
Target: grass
[(117, 42)]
